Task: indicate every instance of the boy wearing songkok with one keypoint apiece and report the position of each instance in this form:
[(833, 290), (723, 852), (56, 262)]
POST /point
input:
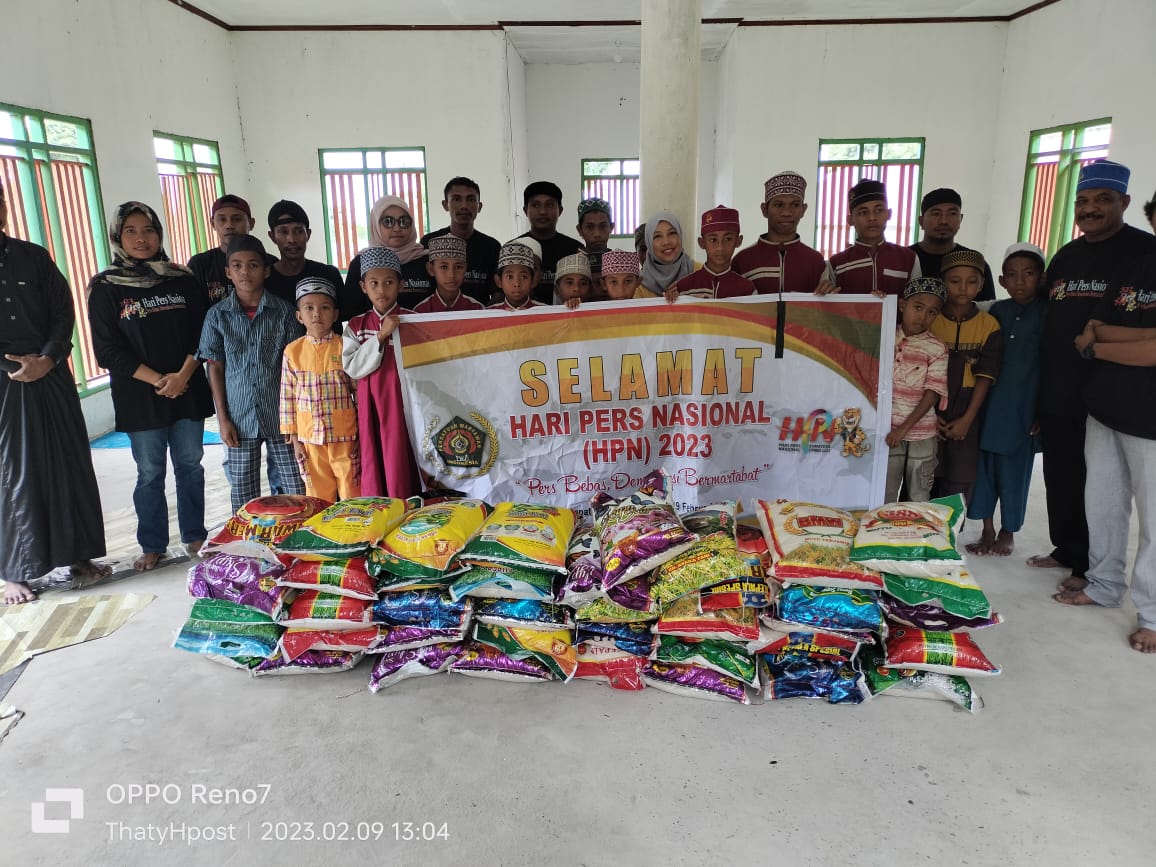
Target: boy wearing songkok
[(871, 265), (572, 280), (1007, 440), (779, 261), (317, 411), (622, 276), (975, 346), (718, 237), (595, 225), (242, 340), (388, 468), (517, 277), (919, 384), (447, 266)]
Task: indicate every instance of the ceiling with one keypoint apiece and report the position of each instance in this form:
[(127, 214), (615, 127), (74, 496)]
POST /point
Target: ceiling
[(546, 32)]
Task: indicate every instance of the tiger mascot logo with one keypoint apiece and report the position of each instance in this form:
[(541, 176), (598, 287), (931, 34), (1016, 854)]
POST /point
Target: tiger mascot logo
[(848, 425)]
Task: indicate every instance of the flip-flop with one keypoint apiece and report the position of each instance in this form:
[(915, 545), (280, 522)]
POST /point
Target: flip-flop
[(82, 579)]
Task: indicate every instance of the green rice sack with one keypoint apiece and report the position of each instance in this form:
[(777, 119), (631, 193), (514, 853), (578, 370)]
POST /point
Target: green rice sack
[(346, 529), (523, 534), (911, 539)]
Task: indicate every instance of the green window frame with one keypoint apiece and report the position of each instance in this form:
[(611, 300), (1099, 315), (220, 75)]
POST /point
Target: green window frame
[(352, 179), (617, 180), (190, 176), (1055, 157), (48, 168), (843, 162)]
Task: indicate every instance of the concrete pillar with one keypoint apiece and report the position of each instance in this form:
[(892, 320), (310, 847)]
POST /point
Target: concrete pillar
[(668, 111)]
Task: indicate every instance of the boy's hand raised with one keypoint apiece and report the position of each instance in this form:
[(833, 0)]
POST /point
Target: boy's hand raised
[(388, 326), (826, 287), (671, 295)]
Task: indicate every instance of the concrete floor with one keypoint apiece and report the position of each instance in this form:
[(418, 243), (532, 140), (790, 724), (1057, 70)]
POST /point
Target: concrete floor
[(1057, 769)]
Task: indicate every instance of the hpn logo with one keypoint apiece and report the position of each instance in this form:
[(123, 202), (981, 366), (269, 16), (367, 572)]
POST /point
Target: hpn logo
[(41, 824)]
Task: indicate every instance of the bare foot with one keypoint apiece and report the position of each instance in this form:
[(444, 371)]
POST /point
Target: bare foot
[(85, 573), (983, 546), (1004, 544), (147, 562), (1074, 597), (193, 549), (16, 593), (1143, 640), (1072, 584), (1045, 561)]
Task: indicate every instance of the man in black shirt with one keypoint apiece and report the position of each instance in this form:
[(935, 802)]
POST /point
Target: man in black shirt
[(1076, 280), (463, 202), (289, 230), (230, 216), (940, 216), (542, 205)]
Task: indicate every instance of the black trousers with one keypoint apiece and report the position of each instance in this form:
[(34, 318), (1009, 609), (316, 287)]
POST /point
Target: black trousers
[(1065, 474)]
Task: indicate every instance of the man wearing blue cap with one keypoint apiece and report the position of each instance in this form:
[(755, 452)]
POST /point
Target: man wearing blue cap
[(1077, 279)]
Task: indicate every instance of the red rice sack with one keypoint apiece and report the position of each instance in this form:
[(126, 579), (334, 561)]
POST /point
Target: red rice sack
[(338, 577), (314, 610)]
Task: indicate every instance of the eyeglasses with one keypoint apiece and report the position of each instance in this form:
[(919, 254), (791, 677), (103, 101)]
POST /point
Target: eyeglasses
[(402, 222)]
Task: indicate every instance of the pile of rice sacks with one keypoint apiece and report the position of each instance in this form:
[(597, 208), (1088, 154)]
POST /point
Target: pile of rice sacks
[(284, 586), (813, 602), (875, 604)]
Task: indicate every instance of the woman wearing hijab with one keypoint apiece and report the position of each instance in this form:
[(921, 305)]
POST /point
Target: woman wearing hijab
[(666, 262), (146, 315), (391, 225)]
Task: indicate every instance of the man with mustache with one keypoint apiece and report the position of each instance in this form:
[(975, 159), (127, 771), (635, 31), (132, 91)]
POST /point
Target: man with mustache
[(463, 202), (1076, 280)]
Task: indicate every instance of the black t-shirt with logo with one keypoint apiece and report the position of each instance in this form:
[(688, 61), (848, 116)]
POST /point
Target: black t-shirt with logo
[(286, 287), (553, 250), (1077, 279)]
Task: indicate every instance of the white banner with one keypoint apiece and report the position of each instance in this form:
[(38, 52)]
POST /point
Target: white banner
[(552, 405)]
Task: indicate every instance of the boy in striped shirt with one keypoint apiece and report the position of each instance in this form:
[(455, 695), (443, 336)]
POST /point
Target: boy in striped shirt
[(919, 384)]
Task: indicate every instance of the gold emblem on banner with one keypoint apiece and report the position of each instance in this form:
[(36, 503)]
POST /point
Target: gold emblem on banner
[(463, 449)]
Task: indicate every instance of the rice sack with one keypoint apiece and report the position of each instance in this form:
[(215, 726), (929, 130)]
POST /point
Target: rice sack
[(521, 534), (296, 642), (794, 676), (684, 619), (346, 529), (625, 603), (909, 683), (811, 544), (754, 591), (931, 616), (523, 612), (316, 610), (942, 652), (553, 648), (583, 581), (830, 608), (712, 559), (638, 532), (613, 653), (721, 656), (504, 581), (957, 594), (337, 577), (423, 545), (912, 539), (310, 662), (241, 580), (815, 644), (261, 524), (222, 628), (430, 608), (481, 660), (694, 681), (715, 518), (394, 638), (391, 668)]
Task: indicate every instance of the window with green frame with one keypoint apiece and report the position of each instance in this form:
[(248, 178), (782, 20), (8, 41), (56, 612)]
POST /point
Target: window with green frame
[(618, 182), (352, 179), (48, 168), (1055, 157), (189, 170), (843, 162)]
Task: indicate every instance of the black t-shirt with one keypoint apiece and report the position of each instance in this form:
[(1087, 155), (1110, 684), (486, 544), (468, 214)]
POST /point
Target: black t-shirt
[(418, 287), (552, 250), (1120, 395), (209, 269), (481, 264), (1077, 278), (285, 287), (929, 266)]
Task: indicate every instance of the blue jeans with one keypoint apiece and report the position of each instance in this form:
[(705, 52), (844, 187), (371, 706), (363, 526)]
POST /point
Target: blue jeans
[(182, 440)]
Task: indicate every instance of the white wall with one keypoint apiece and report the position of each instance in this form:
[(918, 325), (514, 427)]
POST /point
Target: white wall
[(590, 110), (1074, 61), (298, 92), (518, 170), (781, 89)]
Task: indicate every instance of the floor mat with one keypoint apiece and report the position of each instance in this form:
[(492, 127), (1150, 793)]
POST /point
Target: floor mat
[(38, 627), (118, 440)]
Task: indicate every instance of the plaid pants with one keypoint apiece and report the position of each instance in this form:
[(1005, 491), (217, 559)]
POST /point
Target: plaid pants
[(243, 469)]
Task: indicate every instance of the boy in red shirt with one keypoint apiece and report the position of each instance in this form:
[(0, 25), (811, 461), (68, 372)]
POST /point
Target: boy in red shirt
[(518, 267), (871, 265), (779, 261), (447, 266), (718, 237)]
